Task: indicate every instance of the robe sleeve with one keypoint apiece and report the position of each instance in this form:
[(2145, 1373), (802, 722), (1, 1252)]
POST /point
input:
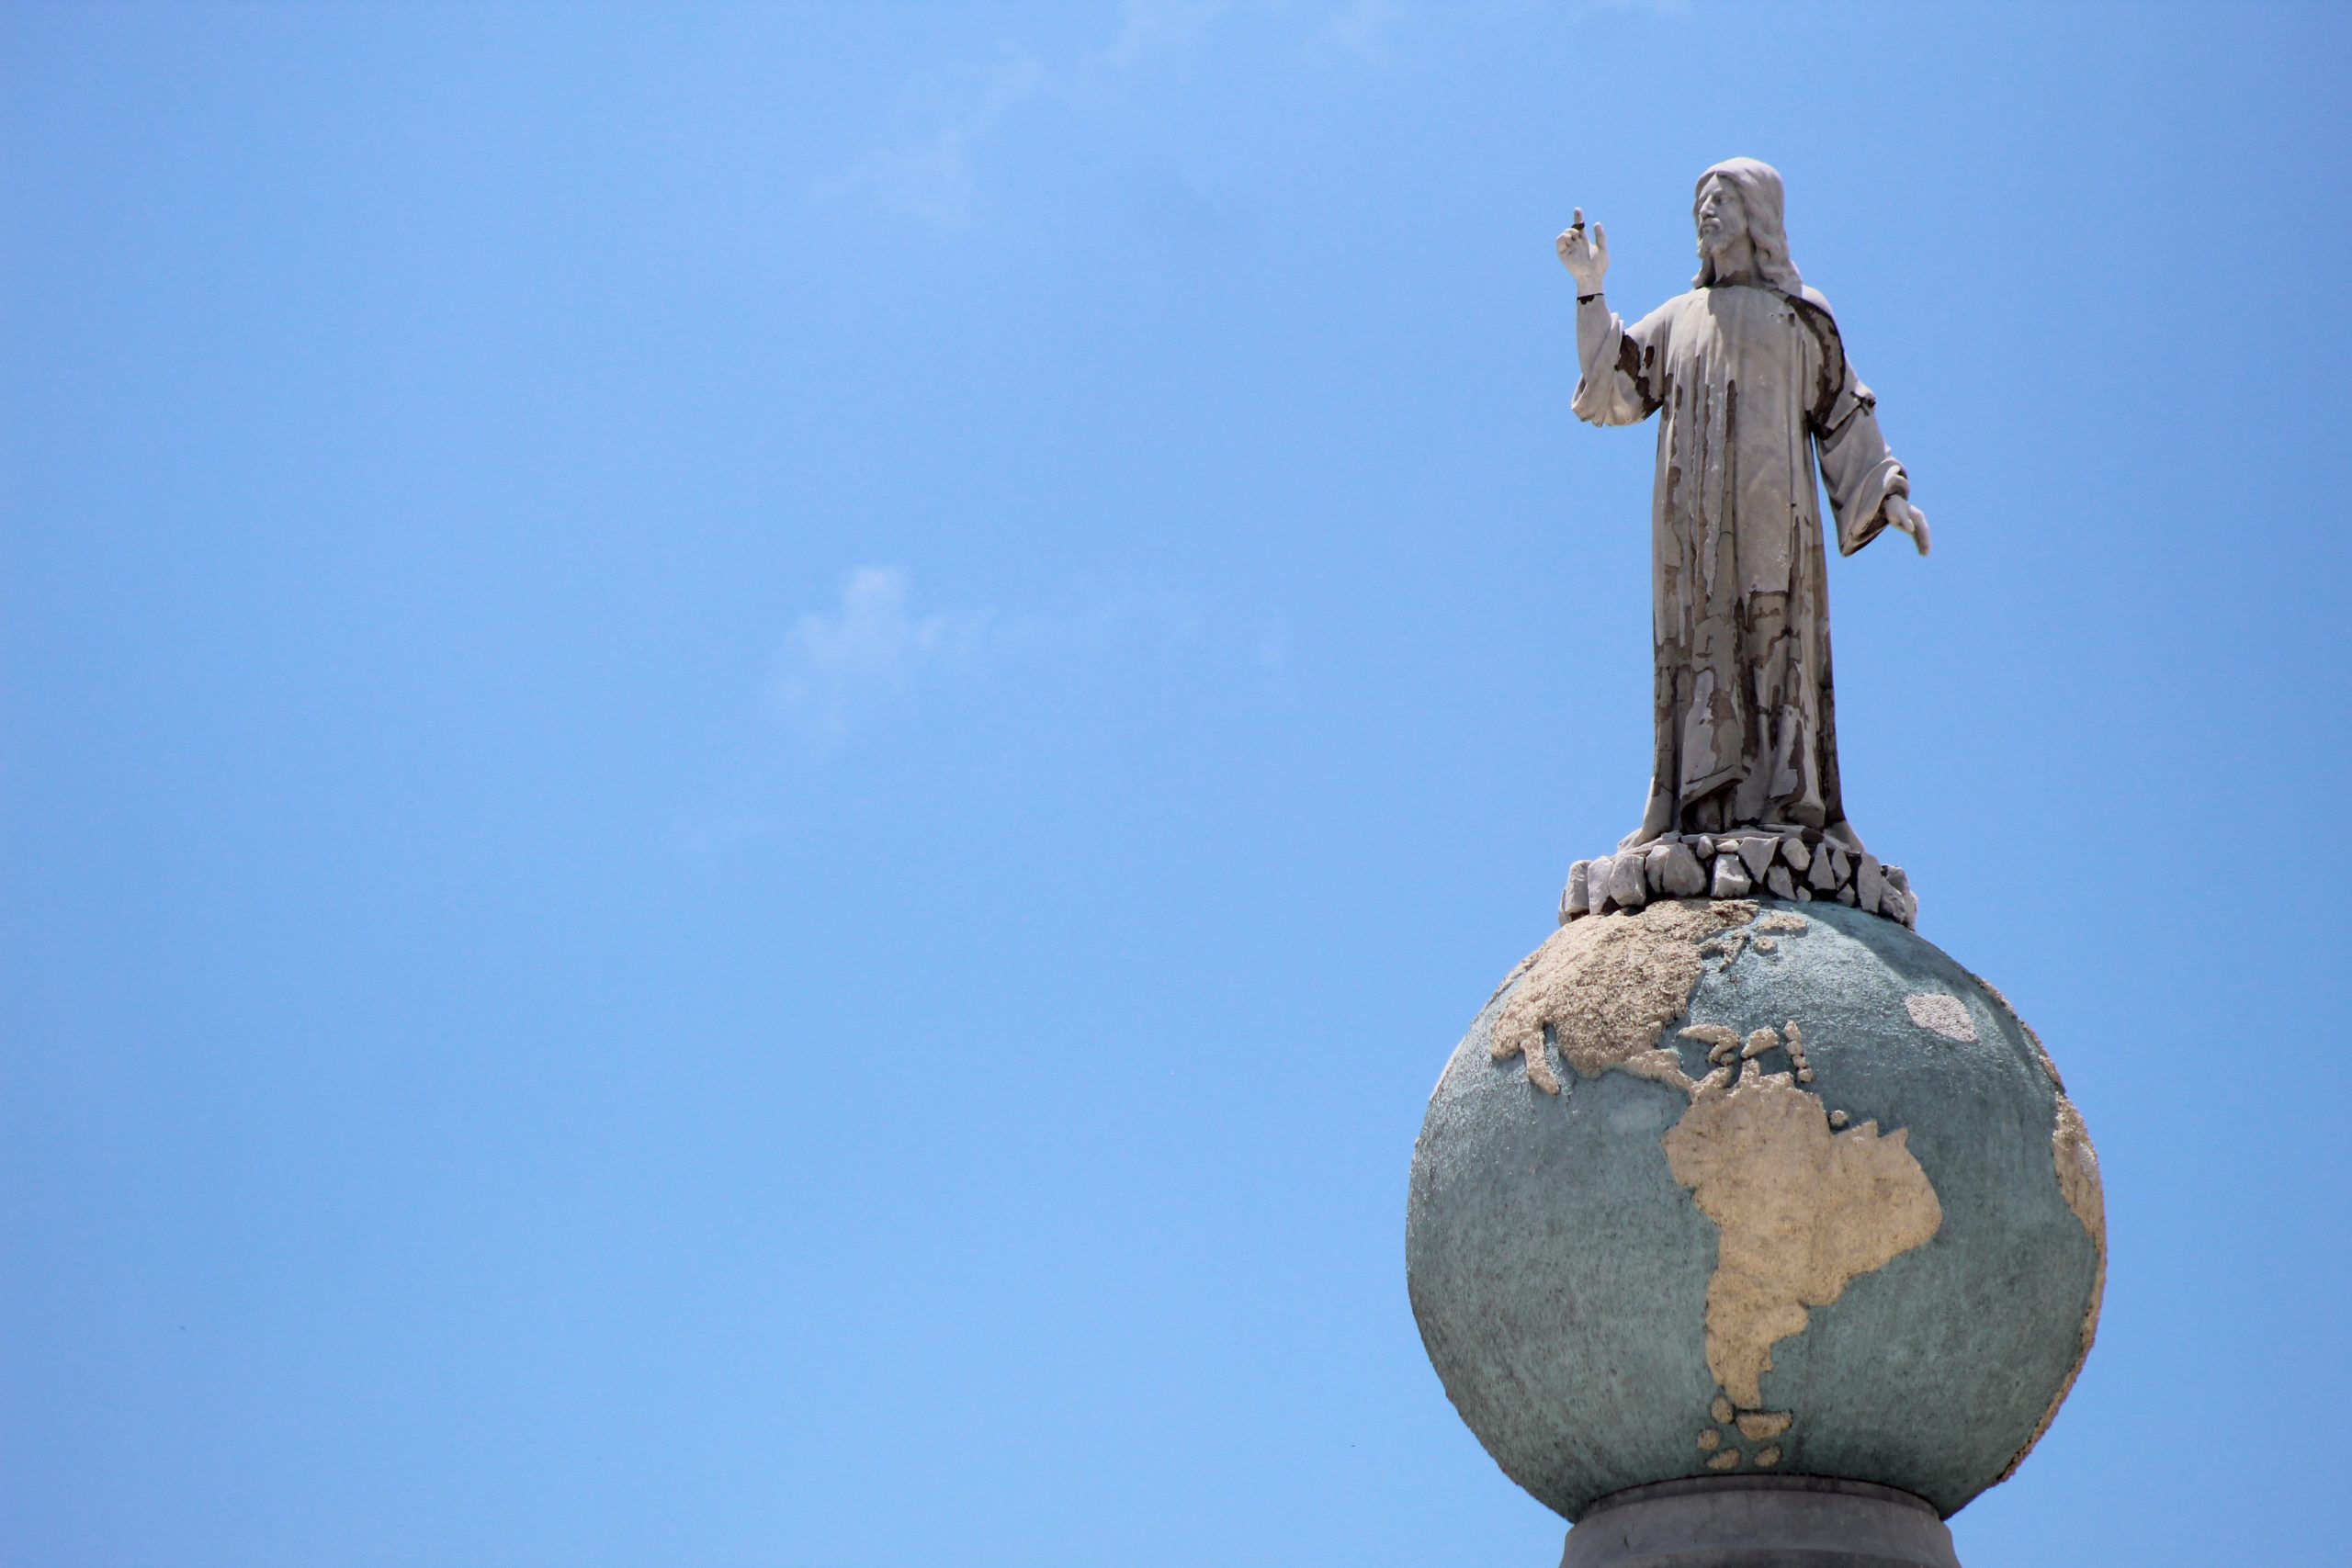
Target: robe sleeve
[(1856, 468), (1623, 382)]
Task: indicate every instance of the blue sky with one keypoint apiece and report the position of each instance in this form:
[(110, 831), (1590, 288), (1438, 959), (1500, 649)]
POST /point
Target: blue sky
[(756, 756)]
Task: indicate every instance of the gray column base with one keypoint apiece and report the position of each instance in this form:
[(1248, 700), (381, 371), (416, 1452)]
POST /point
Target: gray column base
[(1757, 1521)]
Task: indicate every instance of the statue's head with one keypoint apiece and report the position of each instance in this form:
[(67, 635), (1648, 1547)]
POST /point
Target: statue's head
[(1738, 210)]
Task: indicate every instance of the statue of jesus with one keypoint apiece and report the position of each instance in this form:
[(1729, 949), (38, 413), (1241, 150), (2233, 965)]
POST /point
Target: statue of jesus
[(1752, 388)]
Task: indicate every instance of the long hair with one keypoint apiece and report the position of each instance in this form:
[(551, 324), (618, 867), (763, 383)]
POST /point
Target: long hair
[(1760, 194)]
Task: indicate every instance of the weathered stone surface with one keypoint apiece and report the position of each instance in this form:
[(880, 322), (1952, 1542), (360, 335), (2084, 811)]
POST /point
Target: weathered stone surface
[(1627, 888), (2078, 1178), (1896, 901), (1739, 599), (1703, 846), (1731, 879), (1672, 868), (1794, 851), (1567, 1279), (1674, 872), (1762, 1162), (1941, 1013), (1604, 989), (1867, 882)]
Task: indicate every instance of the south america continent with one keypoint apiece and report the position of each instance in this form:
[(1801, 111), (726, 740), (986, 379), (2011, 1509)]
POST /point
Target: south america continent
[(1801, 1208)]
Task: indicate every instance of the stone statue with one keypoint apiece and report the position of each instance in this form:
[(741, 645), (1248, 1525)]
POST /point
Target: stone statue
[(1747, 1227), (1752, 388)]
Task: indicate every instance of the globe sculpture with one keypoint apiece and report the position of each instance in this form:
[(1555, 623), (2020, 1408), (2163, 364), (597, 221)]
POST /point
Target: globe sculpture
[(1746, 1226)]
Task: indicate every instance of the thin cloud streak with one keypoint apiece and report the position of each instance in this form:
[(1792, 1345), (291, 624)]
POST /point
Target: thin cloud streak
[(932, 169), (929, 174), (866, 649)]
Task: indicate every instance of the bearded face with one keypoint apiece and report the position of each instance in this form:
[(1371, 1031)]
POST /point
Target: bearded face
[(1721, 217), (1738, 212)]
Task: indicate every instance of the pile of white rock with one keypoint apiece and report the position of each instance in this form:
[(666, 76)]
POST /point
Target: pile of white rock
[(1796, 863)]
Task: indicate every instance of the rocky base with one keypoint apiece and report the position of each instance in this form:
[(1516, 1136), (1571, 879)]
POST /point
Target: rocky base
[(1796, 863)]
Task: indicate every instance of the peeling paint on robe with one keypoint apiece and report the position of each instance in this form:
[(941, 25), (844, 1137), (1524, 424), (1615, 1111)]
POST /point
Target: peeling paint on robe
[(1750, 385)]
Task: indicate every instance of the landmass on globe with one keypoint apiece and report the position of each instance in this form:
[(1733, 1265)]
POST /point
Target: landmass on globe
[(1804, 1197)]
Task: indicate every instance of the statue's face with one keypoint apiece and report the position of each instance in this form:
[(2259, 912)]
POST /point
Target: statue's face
[(1722, 216)]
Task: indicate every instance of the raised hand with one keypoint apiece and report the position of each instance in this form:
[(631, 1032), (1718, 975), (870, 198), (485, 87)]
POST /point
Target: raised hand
[(1586, 259), (1901, 514)]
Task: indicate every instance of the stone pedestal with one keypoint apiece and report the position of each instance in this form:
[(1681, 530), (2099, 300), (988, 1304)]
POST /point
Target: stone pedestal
[(1756, 1522)]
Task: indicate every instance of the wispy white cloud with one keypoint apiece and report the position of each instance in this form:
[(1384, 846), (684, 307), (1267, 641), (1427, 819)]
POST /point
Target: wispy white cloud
[(930, 166), (867, 647), (932, 159), (927, 170), (1151, 28), (1365, 28)]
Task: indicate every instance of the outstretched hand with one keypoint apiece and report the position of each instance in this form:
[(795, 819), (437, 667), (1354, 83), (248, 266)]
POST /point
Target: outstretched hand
[(1901, 514), (1586, 259)]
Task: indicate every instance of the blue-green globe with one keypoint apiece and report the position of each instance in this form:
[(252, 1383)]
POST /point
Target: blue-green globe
[(1742, 1188)]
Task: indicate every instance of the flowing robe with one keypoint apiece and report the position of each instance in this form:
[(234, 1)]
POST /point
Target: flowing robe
[(1749, 384)]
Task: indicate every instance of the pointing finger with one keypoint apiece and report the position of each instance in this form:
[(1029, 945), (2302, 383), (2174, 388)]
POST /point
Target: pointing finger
[(1577, 222)]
